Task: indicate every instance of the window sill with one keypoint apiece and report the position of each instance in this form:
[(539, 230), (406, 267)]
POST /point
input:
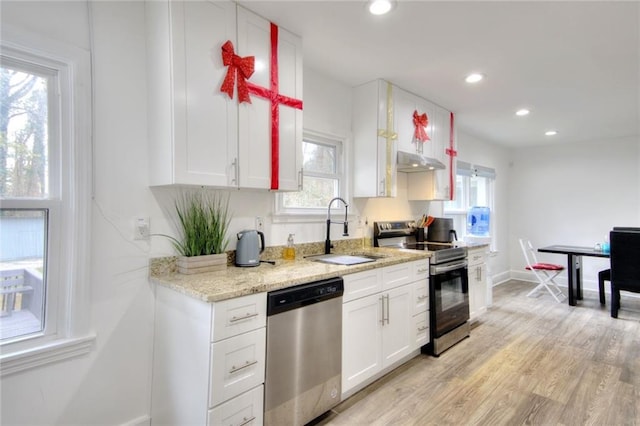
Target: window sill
[(58, 350)]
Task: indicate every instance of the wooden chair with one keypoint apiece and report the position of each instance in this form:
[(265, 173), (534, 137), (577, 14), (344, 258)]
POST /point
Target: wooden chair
[(625, 264), (544, 272), (11, 284)]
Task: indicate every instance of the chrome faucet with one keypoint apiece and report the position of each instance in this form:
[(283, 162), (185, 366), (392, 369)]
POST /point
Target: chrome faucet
[(345, 232)]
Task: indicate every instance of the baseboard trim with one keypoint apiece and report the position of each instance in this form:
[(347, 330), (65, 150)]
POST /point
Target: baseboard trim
[(138, 421)]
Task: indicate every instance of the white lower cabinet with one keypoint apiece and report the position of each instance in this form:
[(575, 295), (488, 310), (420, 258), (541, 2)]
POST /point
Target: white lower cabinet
[(477, 281), (380, 327), (209, 360)]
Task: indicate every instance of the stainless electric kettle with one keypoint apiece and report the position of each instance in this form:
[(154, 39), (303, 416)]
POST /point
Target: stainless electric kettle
[(249, 247)]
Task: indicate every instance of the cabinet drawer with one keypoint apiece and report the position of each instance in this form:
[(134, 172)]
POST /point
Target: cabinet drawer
[(396, 275), (361, 284), (476, 256), (421, 329), (245, 409), (237, 365), (235, 316), (420, 292), (420, 269)]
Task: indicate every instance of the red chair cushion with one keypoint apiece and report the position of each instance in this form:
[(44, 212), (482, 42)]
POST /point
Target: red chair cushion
[(547, 267)]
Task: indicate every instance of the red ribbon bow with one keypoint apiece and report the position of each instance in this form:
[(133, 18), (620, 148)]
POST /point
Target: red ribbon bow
[(243, 67), (420, 122)]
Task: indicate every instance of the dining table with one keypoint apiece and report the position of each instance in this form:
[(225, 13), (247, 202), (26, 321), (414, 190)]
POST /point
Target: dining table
[(574, 265)]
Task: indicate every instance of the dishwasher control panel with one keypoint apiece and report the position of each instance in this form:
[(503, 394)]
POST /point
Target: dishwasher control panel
[(304, 294)]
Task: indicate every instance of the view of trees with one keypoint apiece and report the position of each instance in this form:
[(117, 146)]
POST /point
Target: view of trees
[(23, 134), (319, 163)]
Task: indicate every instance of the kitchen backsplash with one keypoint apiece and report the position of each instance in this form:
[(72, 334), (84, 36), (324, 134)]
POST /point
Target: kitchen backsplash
[(165, 265)]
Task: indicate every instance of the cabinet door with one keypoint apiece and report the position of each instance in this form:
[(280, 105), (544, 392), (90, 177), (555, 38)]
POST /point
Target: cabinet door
[(442, 178), (192, 125), (374, 154), (361, 340), (477, 290), (397, 337), (255, 119), (387, 149), (405, 103), (237, 365)]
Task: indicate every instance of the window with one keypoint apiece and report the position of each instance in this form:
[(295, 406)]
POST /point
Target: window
[(45, 186), (474, 188), (322, 177)]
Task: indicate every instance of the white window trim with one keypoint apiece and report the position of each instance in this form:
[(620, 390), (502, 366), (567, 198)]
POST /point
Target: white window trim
[(73, 336), (468, 170), (283, 215)]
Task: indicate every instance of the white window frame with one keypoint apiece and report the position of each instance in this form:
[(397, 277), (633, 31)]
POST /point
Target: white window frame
[(283, 214), (67, 331), (469, 170)]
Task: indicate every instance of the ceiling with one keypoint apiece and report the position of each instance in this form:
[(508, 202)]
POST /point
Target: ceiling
[(575, 65)]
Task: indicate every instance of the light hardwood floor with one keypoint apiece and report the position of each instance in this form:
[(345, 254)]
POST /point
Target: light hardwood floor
[(528, 361)]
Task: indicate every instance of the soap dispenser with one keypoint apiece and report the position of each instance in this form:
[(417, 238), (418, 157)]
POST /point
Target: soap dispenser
[(289, 252)]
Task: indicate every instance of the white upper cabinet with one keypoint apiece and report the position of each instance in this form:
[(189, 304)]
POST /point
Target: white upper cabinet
[(383, 125), (192, 125), (406, 104), (435, 185), (258, 122), (197, 134), (374, 135)]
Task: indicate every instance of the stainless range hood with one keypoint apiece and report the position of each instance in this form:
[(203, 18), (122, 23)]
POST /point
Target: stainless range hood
[(409, 162)]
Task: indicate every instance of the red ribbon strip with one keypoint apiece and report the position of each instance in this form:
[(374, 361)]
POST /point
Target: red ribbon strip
[(420, 121), (242, 68), (276, 99), (451, 152)]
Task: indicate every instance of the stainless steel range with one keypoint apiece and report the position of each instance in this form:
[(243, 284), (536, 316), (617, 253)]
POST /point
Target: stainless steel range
[(448, 282)]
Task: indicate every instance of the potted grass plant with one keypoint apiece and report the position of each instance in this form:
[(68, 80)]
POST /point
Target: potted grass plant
[(203, 222)]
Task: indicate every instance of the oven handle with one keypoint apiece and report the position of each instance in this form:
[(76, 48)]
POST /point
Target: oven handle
[(440, 269)]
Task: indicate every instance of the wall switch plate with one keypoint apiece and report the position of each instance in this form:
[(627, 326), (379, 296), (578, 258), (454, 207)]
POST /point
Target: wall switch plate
[(259, 224), (141, 228)]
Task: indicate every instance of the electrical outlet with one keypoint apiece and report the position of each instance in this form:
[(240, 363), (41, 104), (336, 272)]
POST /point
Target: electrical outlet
[(259, 224), (141, 229)]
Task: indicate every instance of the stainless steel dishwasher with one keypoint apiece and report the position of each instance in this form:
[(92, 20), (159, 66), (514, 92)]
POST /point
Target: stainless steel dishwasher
[(304, 352)]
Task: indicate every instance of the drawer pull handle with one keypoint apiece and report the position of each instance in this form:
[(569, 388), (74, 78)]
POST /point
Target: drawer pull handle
[(246, 421), (423, 270), (424, 296), (421, 329), (247, 316), (246, 364)]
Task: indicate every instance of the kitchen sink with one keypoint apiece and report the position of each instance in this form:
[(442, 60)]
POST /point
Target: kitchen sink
[(343, 259)]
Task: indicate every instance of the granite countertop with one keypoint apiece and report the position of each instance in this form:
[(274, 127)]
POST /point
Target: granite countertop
[(236, 281)]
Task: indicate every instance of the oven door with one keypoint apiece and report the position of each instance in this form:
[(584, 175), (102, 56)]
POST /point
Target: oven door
[(449, 288)]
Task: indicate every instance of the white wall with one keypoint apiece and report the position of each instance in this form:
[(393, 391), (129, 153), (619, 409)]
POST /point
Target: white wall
[(112, 384), (572, 194), (487, 154)]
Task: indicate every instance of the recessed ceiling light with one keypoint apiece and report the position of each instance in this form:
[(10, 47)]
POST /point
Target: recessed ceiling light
[(522, 112), (380, 7), (474, 78), (551, 132)]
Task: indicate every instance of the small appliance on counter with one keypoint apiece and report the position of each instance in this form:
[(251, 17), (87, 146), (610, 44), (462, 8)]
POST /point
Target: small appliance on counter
[(441, 231), (250, 245)]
